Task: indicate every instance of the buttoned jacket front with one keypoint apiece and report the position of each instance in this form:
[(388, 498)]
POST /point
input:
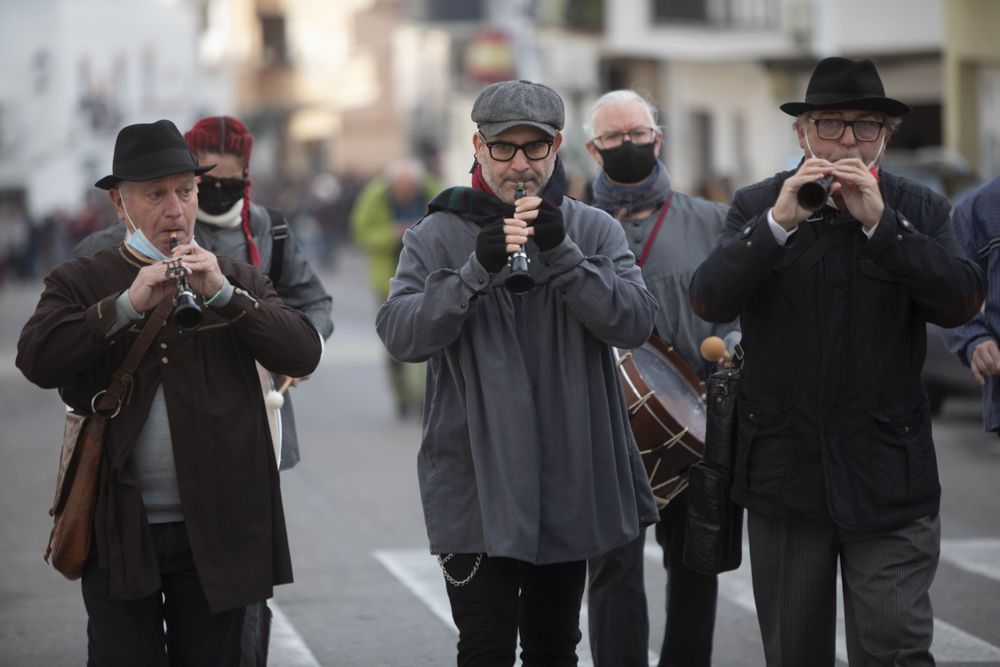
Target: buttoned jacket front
[(833, 418)]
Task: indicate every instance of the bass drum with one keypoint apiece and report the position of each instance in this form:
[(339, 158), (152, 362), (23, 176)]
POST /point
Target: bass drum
[(666, 404)]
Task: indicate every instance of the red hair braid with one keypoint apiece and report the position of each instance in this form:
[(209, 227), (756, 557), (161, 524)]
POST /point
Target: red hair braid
[(225, 134)]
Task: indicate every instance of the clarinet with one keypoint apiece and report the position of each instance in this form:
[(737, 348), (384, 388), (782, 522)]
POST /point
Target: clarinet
[(187, 313), (519, 281), (813, 195)]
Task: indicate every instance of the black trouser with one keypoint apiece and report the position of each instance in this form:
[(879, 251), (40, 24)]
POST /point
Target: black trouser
[(691, 596), (507, 596), (131, 633), (256, 638)]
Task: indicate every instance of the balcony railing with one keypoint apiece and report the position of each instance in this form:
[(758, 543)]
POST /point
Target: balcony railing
[(718, 14)]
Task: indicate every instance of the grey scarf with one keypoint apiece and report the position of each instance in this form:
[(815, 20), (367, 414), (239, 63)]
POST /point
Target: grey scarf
[(623, 199)]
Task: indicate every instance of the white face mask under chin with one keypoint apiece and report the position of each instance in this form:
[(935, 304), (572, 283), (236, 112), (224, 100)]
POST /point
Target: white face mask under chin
[(137, 240)]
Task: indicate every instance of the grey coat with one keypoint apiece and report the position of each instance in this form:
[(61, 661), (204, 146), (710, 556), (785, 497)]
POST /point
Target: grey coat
[(690, 230), (299, 286), (527, 451)]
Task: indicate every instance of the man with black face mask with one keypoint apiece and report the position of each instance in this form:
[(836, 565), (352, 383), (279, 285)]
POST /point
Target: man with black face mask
[(670, 233)]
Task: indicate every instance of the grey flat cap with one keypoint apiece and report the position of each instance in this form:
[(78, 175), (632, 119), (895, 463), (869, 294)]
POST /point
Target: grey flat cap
[(508, 104)]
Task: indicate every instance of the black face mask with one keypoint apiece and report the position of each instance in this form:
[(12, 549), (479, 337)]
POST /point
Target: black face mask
[(217, 195), (630, 162)]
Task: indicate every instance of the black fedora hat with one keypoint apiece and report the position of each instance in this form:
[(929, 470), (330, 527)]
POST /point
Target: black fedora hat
[(147, 151), (840, 83)]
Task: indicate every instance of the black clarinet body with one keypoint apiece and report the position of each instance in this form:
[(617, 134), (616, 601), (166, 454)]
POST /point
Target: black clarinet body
[(519, 281), (813, 195), (187, 313)]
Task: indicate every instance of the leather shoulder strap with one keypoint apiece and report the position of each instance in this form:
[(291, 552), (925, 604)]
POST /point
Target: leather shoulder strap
[(121, 383), (279, 232)]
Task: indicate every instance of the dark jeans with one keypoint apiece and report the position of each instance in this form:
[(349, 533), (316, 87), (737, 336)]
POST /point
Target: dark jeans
[(507, 596), (691, 596), (131, 633)]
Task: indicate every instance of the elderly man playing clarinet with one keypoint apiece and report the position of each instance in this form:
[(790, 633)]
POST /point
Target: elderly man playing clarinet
[(835, 462), (189, 527)]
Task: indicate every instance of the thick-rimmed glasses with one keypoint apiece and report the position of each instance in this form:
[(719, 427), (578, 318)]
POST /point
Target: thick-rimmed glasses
[(832, 129), (504, 151), (637, 135)]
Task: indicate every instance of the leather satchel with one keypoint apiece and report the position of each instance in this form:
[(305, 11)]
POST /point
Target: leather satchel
[(76, 494), (713, 540), (80, 460)]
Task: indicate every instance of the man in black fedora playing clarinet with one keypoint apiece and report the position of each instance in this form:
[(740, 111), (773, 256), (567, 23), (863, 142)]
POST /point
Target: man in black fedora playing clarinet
[(188, 525), (835, 461)]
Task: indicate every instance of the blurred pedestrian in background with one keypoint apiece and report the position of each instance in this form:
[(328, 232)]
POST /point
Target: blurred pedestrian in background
[(670, 233), (387, 207), (229, 224), (976, 221), (527, 465), (189, 527)]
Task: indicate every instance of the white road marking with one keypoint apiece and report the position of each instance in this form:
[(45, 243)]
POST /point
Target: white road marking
[(978, 556), (418, 571), (287, 648)]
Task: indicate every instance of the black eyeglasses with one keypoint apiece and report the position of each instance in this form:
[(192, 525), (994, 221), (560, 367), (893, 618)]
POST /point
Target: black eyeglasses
[(213, 182), (504, 151), (831, 129)]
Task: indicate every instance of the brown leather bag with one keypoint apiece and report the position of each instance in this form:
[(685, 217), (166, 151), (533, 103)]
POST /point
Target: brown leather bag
[(80, 460), (76, 494)]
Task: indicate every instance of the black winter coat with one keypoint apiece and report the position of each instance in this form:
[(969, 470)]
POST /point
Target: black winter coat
[(833, 419)]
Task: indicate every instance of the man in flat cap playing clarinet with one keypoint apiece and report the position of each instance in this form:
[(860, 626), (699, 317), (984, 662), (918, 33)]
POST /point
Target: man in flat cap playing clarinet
[(527, 465)]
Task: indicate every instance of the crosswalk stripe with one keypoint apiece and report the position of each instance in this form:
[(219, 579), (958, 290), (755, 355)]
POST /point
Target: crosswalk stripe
[(287, 648), (419, 572)]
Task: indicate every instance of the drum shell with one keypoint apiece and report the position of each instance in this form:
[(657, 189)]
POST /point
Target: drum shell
[(668, 447)]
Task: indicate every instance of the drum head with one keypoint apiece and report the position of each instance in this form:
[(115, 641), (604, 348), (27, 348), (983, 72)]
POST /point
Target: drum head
[(673, 389)]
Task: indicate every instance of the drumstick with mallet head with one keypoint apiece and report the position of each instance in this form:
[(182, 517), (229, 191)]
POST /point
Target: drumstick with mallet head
[(275, 399), (714, 349)]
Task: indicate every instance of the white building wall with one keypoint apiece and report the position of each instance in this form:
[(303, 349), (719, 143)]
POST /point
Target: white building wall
[(142, 61), (737, 90), (730, 74), (876, 27)]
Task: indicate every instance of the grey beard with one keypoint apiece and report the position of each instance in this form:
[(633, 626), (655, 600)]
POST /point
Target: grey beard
[(497, 185)]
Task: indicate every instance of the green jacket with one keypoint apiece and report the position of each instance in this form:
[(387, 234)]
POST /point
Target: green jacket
[(374, 229)]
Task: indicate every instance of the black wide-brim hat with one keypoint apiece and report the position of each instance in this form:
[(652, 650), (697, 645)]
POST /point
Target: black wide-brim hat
[(840, 83), (147, 151)]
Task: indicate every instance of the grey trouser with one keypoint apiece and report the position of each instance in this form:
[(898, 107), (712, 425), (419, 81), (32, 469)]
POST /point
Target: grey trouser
[(886, 576), (618, 617)]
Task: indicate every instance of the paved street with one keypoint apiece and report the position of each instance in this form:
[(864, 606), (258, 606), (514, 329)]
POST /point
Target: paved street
[(366, 592)]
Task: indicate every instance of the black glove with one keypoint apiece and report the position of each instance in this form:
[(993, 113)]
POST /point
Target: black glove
[(549, 228), (491, 247)]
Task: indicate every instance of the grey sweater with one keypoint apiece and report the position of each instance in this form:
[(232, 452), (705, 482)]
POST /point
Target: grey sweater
[(527, 451)]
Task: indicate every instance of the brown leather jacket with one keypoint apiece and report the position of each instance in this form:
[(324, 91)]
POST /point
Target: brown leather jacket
[(225, 465)]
